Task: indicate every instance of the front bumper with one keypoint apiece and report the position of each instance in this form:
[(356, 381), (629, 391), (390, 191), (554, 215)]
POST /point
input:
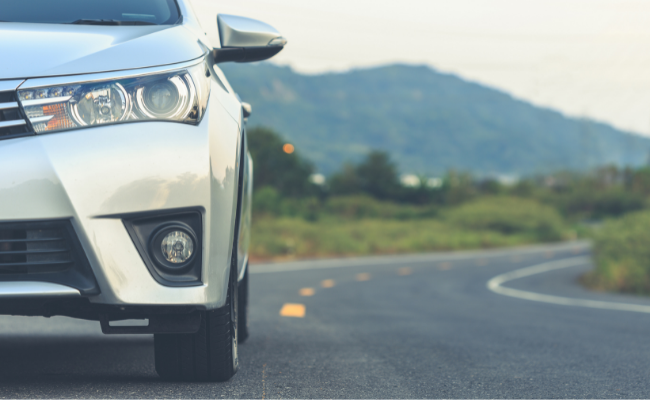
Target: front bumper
[(94, 177)]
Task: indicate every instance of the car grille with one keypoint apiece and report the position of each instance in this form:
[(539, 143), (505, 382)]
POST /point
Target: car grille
[(12, 121), (29, 251), (46, 251)]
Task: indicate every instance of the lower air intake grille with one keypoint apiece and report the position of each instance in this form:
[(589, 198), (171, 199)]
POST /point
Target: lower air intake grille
[(44, 251), (33, 251)]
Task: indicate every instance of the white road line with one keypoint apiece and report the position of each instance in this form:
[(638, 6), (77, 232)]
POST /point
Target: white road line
[(413, 258), (495, 283)]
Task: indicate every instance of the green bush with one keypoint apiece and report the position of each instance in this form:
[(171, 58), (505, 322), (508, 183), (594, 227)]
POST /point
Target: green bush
[(267, 200), (289, 238), (509, 216), (360, 225), (363, 206), (590, 203), (622, 255)]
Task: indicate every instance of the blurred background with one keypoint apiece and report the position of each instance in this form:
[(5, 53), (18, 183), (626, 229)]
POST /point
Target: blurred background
[(425, 125)]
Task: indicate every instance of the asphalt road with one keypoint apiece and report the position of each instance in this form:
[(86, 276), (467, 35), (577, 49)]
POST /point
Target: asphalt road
[(392, 327)]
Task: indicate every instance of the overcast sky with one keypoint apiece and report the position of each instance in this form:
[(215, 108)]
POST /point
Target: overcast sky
[(582, 57)]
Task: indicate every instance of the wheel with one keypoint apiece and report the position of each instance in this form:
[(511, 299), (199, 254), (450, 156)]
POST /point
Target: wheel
[(242, 323), (207, 355)]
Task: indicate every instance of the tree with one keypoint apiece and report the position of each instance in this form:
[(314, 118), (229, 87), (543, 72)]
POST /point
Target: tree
[(287, 172), (346, 181), (376, 176)]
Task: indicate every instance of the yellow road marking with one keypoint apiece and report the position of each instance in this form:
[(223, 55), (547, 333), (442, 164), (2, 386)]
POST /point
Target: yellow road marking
[(364, 276), (328, 283), (404, 271), (444, 266), (307, 291), (293, 310), (263, 381)]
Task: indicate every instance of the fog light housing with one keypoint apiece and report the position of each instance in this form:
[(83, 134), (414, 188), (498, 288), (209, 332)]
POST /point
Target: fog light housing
[(180, 267), (172, 247)]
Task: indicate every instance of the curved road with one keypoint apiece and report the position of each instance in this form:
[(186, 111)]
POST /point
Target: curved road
[(402, 327)]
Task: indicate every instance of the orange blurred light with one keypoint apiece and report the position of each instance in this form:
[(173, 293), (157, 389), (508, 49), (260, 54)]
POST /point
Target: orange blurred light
[(288, 148)]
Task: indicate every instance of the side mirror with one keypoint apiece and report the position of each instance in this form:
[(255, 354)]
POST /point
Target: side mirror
[(246, 40), (247, 109)]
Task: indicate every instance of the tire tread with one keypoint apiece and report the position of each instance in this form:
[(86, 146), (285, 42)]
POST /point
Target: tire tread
[(202, 356)]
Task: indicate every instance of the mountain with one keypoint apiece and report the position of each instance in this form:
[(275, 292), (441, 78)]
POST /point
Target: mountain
[(428, 121)]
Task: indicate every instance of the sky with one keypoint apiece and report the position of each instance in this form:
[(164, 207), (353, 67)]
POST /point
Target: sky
[(585, 58)]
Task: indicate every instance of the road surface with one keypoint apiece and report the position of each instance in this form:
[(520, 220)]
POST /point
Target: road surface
[(424, 326)]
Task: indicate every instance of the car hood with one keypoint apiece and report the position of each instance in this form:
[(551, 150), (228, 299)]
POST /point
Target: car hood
[(37, 50)]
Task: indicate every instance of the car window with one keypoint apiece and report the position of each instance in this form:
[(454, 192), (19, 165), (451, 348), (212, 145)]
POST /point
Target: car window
[(113, 12)]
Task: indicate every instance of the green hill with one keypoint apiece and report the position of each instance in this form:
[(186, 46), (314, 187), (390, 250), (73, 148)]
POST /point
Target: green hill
[(428, 121)]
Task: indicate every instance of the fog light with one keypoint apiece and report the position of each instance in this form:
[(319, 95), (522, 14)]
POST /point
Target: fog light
[(177, 247), (173, 247)]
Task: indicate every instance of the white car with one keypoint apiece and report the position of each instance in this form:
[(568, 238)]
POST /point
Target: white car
[(125, 180)]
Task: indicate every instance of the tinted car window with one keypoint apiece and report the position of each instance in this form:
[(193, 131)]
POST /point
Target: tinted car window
[(160, 12)]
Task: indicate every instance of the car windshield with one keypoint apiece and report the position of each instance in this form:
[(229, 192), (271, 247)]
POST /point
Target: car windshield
[(91, 12)]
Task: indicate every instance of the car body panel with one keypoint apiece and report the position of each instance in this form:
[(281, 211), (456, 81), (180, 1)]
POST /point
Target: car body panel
[(243, 241), (59, 49)]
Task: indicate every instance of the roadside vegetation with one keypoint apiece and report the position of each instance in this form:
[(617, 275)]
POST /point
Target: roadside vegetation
[(622, 255), (365, 209)]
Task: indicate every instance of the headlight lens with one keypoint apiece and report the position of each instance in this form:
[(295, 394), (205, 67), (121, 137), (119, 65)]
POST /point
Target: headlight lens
[(179, 96)]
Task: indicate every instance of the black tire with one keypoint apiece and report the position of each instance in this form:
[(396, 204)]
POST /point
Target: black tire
[(242, 323), (207, 355)]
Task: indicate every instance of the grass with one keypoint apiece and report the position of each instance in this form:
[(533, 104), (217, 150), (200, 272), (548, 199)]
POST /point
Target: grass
[(290, 238), (485, 223)]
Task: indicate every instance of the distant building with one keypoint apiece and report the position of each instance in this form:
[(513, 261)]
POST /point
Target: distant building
[(507, 180), (317, 179), (410, 180), (414, 181), (434, 183)]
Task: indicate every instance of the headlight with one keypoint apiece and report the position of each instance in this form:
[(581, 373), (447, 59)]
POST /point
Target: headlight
[(179, 96)]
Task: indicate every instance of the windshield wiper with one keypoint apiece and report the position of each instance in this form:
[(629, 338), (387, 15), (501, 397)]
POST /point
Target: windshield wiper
[(109, 22)]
